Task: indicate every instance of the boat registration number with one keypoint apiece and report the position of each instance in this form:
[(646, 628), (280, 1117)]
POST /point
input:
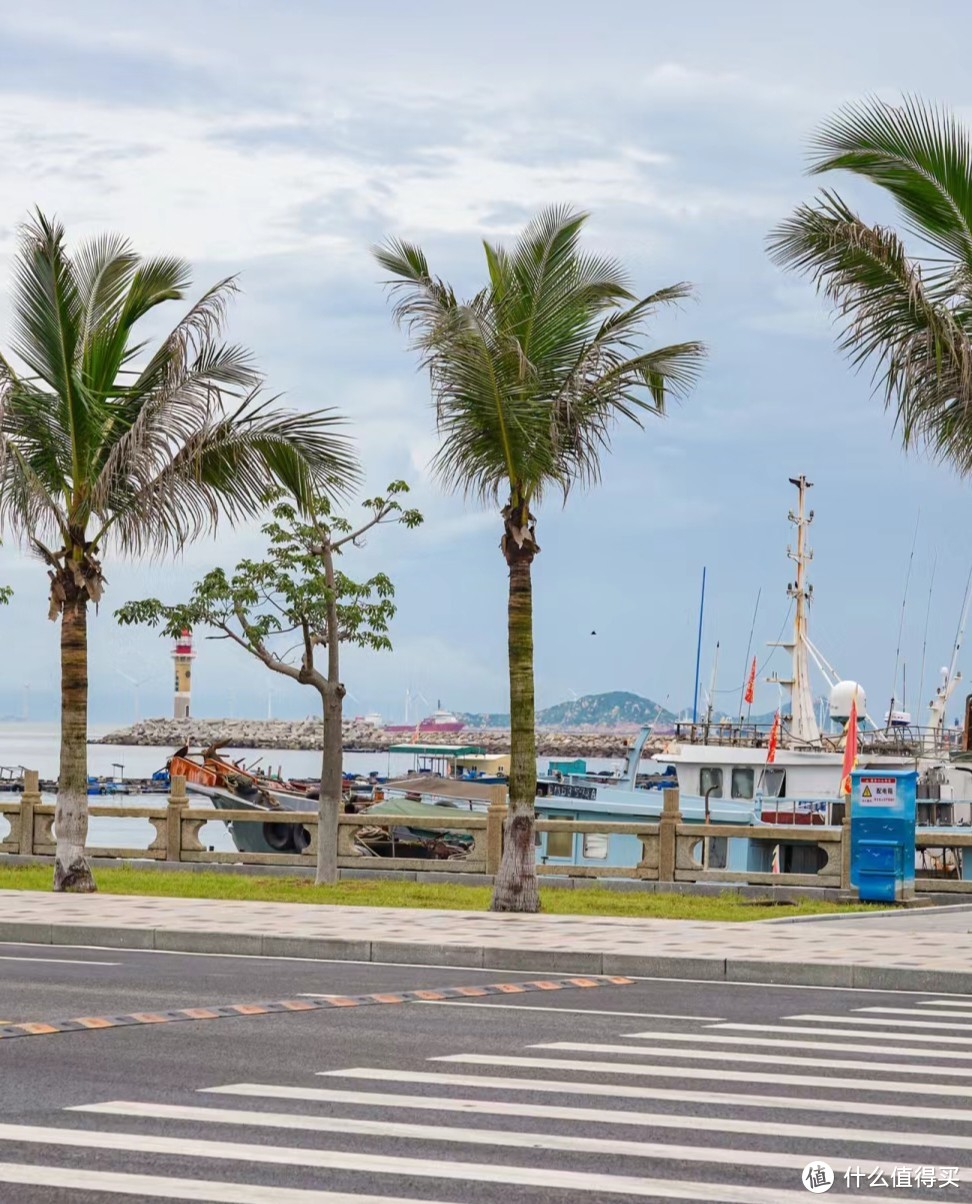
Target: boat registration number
[(563, 791)]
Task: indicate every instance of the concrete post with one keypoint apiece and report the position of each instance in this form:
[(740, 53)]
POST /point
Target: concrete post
[(28, 801), (670, 818), (847, 892), (178, 801), (495, 821)]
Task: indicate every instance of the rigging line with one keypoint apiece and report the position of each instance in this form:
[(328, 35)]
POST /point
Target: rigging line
[(904, 602), (924, 642), (774, 646), (749, 648)]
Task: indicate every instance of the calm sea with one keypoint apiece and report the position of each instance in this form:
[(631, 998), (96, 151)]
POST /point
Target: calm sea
[(35, 745)]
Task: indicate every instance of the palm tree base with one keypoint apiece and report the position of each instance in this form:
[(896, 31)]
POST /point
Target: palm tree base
[(516, 888), (75, 878)]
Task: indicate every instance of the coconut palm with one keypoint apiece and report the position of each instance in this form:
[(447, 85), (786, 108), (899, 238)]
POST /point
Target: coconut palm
[(108, 443), (529, 378), (903, 300)]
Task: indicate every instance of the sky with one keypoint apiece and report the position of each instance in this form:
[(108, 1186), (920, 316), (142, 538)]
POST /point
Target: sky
[(282, 141)]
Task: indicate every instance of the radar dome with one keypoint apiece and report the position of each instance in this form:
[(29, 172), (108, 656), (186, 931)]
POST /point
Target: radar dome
[(841, 697)]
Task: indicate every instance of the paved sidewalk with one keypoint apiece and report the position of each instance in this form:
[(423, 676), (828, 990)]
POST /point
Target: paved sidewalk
[(916, 950)]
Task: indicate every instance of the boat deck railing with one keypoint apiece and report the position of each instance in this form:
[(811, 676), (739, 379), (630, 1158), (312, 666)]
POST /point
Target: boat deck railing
[(911, 741)]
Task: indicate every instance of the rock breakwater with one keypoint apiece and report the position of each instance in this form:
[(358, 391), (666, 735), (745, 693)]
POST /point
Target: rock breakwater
[(305, 734)]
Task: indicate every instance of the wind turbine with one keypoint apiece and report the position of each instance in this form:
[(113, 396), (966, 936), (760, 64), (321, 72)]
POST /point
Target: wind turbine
[(136, 683)]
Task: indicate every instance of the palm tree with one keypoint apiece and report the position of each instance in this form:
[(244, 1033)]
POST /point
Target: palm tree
[(528, 379), (104, 442), (907, 313)]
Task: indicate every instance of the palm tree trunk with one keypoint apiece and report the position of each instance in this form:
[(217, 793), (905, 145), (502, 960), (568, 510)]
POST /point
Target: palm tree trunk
[(71, 869), (515, 888)]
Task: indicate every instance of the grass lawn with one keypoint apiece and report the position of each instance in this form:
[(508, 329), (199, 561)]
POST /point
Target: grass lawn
[(592, 900)]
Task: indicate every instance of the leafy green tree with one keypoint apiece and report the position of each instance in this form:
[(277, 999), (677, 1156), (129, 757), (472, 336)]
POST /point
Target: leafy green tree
[(903, 301), (298, 591), (108, 443), (529, 379)]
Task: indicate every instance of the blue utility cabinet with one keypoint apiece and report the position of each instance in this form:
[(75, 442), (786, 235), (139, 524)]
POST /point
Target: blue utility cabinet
[(882, 833)]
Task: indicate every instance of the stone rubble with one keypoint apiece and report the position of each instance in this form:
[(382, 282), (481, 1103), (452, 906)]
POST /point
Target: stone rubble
[(305, 734)]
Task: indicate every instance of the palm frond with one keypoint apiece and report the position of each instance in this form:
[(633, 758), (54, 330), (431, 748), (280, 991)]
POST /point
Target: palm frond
[(919, 154), (530, 375), (156, 454), (907, 322), (225, 468)]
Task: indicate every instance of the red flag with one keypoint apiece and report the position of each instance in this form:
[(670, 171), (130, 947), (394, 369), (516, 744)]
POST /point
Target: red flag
[(773, 739), (850, 750), (751, 683)]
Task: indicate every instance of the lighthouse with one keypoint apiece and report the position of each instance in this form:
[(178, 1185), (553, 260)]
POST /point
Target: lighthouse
[(182, 655)]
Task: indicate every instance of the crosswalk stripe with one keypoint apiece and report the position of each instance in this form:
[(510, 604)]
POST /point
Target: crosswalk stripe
[(860, 1034), (881, 1086), (389, 1164), (626, 1091), (851, 1018), (919, 1012), (155, 1187), (610, 1116), (301, 1156), (946, 1003), (772, 1059), (906, 1051)]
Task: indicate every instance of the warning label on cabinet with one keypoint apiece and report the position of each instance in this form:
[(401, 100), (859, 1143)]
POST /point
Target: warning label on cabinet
[(879, 792)]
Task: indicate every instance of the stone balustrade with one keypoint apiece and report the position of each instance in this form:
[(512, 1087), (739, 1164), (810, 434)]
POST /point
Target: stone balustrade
[(672, 852)]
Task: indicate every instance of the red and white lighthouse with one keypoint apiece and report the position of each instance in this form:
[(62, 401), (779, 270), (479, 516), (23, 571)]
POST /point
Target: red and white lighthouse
[(182, 656)]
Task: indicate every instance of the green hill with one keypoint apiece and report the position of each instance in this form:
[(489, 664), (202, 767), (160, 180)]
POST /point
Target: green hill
[(593, 710)]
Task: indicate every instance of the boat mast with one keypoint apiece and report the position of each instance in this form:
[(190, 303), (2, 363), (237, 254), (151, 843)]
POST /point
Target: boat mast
[(803, 721)]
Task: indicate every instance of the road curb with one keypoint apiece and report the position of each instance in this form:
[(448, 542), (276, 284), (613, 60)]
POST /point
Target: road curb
[(495, 957)]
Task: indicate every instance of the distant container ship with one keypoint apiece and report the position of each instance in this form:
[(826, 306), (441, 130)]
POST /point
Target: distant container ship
[(438, 721)]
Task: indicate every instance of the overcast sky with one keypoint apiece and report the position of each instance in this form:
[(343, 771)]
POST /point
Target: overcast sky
[(280, 141)]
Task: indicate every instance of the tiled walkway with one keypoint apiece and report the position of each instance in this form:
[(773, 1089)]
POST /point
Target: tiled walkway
[(916, 941)]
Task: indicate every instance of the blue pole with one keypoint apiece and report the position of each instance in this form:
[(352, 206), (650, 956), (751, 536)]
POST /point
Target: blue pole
[(698, 653)]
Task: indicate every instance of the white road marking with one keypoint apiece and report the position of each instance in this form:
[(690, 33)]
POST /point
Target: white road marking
[(907, 1051), (853, 1018), (387, 1164), (56, 961), (525, 1007), (814, 1134), (959, 1002), (860, 1034), (882, 1086), (302, 1156), (155, 1187), (918, 1012), (771, 1059), (624, 1091)]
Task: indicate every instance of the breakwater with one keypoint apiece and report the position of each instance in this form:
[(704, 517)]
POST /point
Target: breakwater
[(305, 734)]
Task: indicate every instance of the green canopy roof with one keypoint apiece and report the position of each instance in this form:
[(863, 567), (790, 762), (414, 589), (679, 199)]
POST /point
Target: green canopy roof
[(437, 750)]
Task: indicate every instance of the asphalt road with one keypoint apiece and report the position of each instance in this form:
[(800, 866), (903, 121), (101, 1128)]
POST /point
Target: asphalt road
[(659, 1090)]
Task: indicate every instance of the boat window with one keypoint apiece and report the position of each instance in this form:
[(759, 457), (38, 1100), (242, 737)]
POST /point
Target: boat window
[(742, 781), (774, 783), (596, 846), (560, 844), (710, 779)]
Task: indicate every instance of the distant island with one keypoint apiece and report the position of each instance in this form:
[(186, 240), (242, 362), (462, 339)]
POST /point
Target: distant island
[(618, 708)]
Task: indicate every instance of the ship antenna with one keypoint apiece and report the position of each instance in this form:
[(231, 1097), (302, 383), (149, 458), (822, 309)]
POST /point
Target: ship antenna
[(803, 720), (924, 642), (698, 654), (904, 602)]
